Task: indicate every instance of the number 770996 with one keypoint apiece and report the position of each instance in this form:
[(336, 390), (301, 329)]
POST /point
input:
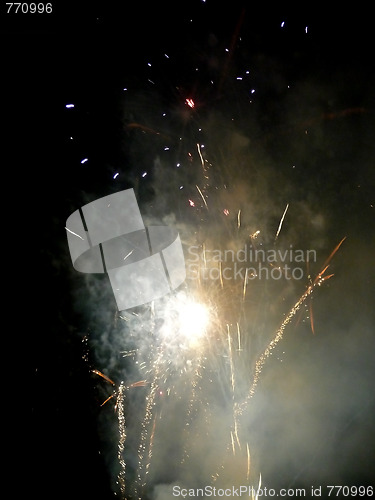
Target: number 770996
[(28, 8)]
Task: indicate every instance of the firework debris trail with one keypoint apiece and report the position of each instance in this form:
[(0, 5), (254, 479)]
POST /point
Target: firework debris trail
[(120, 406), (319, 279)]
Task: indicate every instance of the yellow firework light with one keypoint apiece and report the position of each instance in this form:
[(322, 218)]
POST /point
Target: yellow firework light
[(185, 321), (193, 320)]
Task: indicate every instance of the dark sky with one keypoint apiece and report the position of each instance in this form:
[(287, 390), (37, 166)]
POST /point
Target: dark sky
[(286, 113)]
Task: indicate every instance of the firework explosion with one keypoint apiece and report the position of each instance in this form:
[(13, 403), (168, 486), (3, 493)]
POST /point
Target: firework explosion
[(197, 352)]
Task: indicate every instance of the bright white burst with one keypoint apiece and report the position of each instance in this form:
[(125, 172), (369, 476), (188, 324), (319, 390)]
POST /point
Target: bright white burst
[(193, 320), (185, 320)]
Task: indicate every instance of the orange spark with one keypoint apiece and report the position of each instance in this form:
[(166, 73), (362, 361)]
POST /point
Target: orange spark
[(106, 401), (312, 318), (333, 253), (97, 372), (140, 383)]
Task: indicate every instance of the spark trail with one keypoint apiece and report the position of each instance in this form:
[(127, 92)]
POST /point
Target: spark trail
[(281, 222), (320, 278)]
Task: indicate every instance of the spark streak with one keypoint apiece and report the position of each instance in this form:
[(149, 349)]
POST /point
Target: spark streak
[(239, 337), (281, 221), (333, 252), (97, 372), (200, 192), (239, 219), (259, 486), (245, 284), (230, 359), (128, 254), (75, 234), (232, 441), (221, 274), (200, 154), (248, 461), (108, 399)]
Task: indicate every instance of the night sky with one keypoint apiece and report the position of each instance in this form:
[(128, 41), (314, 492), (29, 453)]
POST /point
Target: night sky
[(284, 106)]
